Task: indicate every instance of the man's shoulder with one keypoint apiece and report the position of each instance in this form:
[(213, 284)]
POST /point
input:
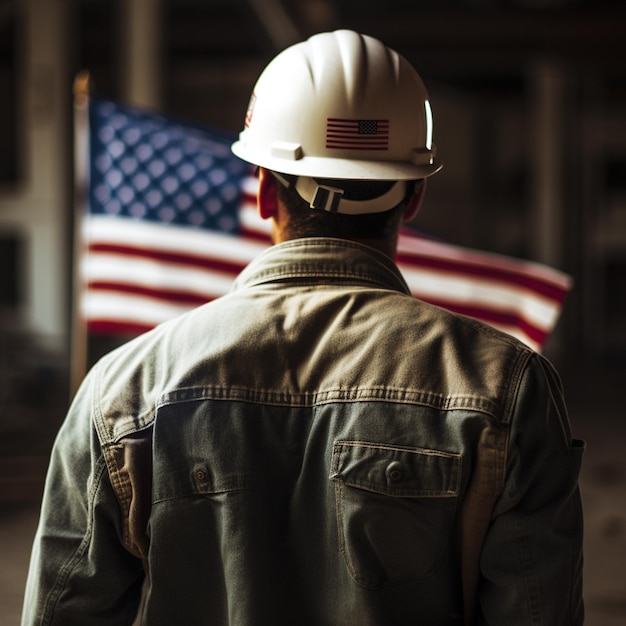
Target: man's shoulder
[(455, 356), (125, 382), (464, 330)]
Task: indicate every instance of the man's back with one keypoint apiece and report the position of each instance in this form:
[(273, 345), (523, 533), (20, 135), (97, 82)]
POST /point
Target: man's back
[(318, 447)]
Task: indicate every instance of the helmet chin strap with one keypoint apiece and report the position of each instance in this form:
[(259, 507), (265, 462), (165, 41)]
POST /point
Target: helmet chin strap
[(327, 198)]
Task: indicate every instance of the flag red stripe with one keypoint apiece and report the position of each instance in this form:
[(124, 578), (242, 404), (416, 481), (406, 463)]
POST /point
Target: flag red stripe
[(486, 315), (355, 134), (248, 198), (467, 268), (350, 132), (176, 258), (363, 140), (172, 296), (359, 140), (110, 327)]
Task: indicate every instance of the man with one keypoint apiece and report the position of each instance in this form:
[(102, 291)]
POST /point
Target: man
[(318, 447)]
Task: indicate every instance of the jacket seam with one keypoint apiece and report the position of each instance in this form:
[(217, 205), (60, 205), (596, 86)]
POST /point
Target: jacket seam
[(127, 425), (330, 396), (71, 563), (120, 488)]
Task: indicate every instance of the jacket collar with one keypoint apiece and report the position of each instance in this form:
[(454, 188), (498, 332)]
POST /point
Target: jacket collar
[(323, 261)]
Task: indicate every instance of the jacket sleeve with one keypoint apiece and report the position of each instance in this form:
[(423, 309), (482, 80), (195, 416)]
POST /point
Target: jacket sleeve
[(531, 564), (79, 571)]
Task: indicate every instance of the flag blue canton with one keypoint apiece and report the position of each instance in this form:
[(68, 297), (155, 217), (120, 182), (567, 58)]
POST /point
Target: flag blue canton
[(146, 166)]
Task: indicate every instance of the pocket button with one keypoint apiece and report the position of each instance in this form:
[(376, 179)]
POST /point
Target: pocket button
[(395, 472)]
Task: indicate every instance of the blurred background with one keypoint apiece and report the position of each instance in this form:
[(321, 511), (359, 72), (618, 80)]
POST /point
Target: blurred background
[(529, 102)]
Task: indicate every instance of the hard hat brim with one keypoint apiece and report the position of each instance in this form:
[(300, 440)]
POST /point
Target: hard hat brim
[(348, 168)]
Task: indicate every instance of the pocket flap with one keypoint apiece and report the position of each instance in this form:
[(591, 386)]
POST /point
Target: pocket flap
[(396, 471)]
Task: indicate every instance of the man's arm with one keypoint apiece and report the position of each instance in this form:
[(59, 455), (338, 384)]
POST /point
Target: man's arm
[(531, 564), (79, 572)]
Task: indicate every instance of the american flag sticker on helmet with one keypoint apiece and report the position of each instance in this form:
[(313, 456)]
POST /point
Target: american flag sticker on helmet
[(250, 110), (344, 134)]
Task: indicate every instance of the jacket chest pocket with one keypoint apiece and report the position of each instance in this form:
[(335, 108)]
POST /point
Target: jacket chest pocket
[(395, 509)]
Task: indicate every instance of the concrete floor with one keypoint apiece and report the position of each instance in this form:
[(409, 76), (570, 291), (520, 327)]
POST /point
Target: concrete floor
[(603, 485)]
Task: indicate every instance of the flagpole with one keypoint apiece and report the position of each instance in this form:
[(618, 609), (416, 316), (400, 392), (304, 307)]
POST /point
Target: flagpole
[(78, 332)]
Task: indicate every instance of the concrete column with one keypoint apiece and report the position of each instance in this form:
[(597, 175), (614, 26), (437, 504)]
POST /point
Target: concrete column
[(547, 115), (41, 210), (140, 59)]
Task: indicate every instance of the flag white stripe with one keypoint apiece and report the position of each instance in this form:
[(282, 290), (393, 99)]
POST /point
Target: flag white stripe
[(250, 186), (129, 308), (168, 238), (130, 271), (430, 248), (480, 293)]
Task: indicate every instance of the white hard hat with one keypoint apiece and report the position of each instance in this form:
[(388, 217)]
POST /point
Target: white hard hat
[(340, 105)]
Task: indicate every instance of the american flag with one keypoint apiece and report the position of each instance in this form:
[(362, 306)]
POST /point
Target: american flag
[(357, 134), (172, 220)]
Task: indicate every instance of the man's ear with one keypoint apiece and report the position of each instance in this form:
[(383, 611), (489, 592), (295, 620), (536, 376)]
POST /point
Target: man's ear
[(267, 202), (413, 205)]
